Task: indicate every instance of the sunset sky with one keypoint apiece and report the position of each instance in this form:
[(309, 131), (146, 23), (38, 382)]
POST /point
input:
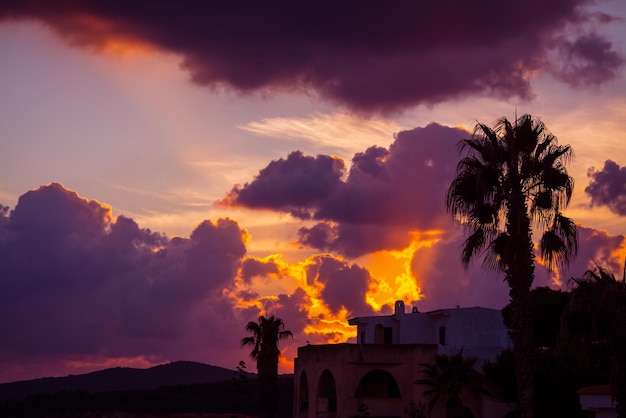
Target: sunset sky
[(169, 173)]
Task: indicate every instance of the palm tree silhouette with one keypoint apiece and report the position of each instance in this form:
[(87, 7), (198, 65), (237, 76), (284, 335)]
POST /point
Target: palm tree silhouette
[(595, 319), (513, 178), (446, 378), (266, 333)]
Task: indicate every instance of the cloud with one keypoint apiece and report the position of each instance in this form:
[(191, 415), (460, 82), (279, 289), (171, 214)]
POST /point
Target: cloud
[(358, 54), (340, 132), (81, 289), (445, 283), (608, 187), (343, 285), (253, 267), (386, 194), (587, 60), (292, 185), (77, 282)]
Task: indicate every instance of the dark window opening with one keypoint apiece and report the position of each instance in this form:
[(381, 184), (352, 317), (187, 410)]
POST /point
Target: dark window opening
[(327, 392), (442, 335), (379, 334), (388, 335), (303, 393)]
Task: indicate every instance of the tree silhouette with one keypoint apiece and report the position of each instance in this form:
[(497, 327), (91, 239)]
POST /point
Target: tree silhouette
[(595, 322), (266, 333), (513, 178), (446, 378)]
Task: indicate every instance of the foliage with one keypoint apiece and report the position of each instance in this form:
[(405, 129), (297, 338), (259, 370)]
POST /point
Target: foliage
[(594, 323), (241, 386), (266, 333), (513, 178), (547, 307), (184, 399), (446, 378), (417, 410)]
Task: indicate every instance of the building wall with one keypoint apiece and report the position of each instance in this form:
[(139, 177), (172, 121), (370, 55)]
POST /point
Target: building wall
[(349, 365), (376, 377), (480, 332)]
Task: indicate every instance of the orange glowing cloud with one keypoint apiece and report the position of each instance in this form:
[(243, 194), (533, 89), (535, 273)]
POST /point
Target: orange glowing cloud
[(101, 35)]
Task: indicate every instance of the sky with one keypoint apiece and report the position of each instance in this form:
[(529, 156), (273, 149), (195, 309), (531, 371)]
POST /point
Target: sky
[(169, 173)]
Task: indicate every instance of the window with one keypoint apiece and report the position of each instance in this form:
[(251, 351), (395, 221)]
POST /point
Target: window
[(388, 335), (327, 393), (442, 335), (303, 393)]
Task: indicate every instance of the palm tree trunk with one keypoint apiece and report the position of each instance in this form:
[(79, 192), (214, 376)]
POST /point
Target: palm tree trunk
[(520, 275), (523, 350)]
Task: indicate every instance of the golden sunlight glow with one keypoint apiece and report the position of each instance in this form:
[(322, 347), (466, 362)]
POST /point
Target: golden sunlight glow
[(100, 35), (394, 278), (323, 326)]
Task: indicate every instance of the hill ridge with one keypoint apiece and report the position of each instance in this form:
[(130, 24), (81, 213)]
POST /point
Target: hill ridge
[(174, 373)]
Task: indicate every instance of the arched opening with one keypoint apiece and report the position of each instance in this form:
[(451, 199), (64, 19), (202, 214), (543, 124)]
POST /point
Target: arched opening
[(303, 393), (378, 384), (326, 393)]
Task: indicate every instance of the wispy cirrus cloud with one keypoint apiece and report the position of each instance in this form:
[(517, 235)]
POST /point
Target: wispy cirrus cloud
[(342, 133)]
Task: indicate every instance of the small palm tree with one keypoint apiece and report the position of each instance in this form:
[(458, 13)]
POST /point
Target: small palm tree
[(513, 178), (266, 333), (446, 378)]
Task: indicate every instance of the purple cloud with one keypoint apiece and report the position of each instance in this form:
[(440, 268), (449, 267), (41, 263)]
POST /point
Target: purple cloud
[(75, 281), (345, 284), (293, 185), (445, 284), (588, 60), (386, 194), (608, 187), (594, 247), (253, 267), (293, 309), (355, 53)]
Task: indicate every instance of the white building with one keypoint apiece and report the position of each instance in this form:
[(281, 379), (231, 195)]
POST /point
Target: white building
[(480, 332), (376, 377)]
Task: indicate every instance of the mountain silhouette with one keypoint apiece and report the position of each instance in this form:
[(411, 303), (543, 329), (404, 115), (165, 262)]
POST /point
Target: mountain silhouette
[(120, 378)]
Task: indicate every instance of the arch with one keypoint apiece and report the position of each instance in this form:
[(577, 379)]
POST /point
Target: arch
[(378, 384), (326, 393), (303, 393)]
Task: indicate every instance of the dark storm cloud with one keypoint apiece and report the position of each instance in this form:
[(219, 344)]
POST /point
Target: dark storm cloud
[(74, 280), (369, 56), (386, 194), (608, 187)]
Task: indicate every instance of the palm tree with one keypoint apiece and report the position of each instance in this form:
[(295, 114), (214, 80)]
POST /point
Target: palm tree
[(595, 320), (266, 334), (446, 378), (512, 179)]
